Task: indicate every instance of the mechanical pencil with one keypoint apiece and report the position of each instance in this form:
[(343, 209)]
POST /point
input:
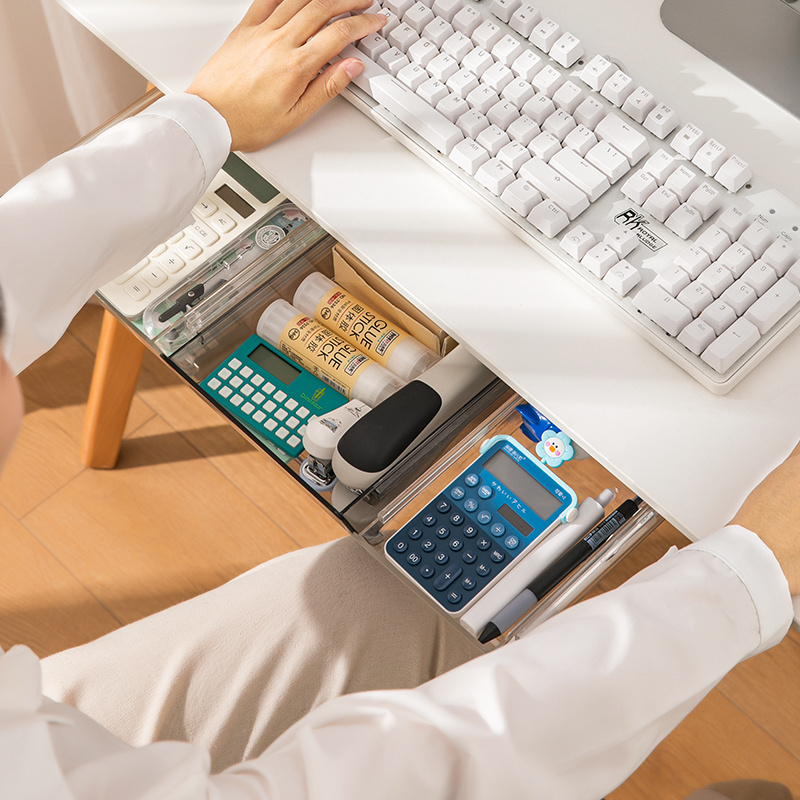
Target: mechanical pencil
[(559, 570)]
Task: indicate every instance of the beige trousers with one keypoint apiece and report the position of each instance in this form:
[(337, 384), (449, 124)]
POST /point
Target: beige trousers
[(231, 669)]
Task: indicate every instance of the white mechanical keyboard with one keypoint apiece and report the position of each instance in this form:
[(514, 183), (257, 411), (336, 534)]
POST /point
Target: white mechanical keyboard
[(591, 169)]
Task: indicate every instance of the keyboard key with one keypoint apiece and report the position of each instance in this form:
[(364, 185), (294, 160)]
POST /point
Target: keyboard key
[(772, 306), (693, 260), (660, 165), (548, 218), (609, 161), (733, 221), (734, 174), (419, 16), (682, 181), (555, 187), (514, 155), (372, 46), (547, 81), (452, 107), (639, 104), (507, 50), (392, 60), (622, 277), (545, 34), (661, 121), (581, 140), (723, 353), (461, 82), (737, 259), (421, 52), (590, 112), (578, 242), (597, 72), (672, 280), (714, 241), (719, 315), (502, 114), (413, 76), (523, 130), (467, 20), (544, 146), (756, 238), (568, 97), (688, 141), (527, 65), (667, 312), (559, 123), (780, 255), (710, 157), (477, 61), (739, 296), (760, 276), (495, 176), (469, 155), (622, 240), (706, 199), (632, 144), (503, 9), (487, 34), (567, 50), (684, 220), (482, 98), (525, 19), (441, 67), (716, 279), (661, 203), (433, 91), (618, 87), (580, 172), (521, 197), (472, 123), (600, 259), (696, 336), (493, 139)]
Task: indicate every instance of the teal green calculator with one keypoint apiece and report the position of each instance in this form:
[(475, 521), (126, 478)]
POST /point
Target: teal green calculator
[(272, 395)]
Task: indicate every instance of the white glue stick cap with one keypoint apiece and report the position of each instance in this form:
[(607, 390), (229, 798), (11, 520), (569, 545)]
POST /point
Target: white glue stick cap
[(274, 319), (375, 384), (309, 293)]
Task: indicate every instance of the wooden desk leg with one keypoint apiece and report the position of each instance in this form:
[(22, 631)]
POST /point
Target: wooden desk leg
[(116, 370)]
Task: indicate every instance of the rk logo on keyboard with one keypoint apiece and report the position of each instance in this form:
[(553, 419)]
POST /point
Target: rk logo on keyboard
[(638, 223)]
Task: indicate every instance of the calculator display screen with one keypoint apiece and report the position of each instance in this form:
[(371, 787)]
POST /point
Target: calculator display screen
[(237, 203), (523, 485), (274, 364)]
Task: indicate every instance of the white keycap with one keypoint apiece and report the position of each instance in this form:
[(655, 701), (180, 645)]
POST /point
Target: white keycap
[(503, 9), (661, 121), (684, 221), (693, 260), (503, 114), (622, 277), (590, 112), (172, 263), (498, 76), (672, 280), (719, 315), (580, 172), (461, 83), (472, 122), (544, 146), (507, 50), (518, 91), (567, 50), (578, 241), (189, 249), (733, 221), (205, 206), (622, 240), (545, 34), (422, 52), (514, 155), (568, 96), (559, 123), (433, 91), (439, 30), (734, 173), (392, 21), (137, 289), (639, 104), (695, 297), (527, 65), (660, 165), (482, 98), (548, 218), (525, 19), (413, 76), (667, 312), (688, 140), (154, 276), (597, 72), (457, 45), (737, 259), (453, 107), (739, 296), (760, 276), (639, 186), (682, 181), (487, 34), (477, 61), (467, 20), (780, 255), (442, 67), (618, 88), (793, 273), (600, 259), (757, 238), (581, 140), (710, 157), (398, 6), (493, 139), (468, 155), (696, 336), (609, 161), (372, 46), (555, 187), (706, 199), (716, 279), (661, 203), (616, 131), (539, 108), (402, 37), (392, 60), (523, 130), (495, 176), (446, 9), (714, 241), (521, 197), (547, 80), (723, 353)]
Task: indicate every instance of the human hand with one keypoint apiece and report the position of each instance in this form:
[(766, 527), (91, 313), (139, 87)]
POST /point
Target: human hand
[(772, 511), (265, 79)]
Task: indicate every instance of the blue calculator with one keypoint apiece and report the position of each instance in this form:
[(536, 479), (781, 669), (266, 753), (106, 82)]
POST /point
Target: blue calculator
[(465, 538), (272, 395)]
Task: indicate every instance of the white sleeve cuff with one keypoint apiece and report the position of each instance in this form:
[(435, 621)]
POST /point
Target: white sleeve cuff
[(754, 563)]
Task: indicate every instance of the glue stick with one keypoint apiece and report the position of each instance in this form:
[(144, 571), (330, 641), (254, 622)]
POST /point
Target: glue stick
[(360, 325), (325, 354)]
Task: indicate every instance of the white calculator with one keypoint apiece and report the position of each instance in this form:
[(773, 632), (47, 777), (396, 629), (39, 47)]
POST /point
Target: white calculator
[(235, 201)]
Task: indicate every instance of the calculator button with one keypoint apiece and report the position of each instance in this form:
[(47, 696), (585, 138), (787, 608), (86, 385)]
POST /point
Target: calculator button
[(226, 391), (469, 557), (154, 276), (447, 577), (485, 492), (126, 276), (281, 414), (302, 412), (172, 262), (270, 406), (214, 384), (302, 431), (443, 532), (245, 372), (498, 556), (293, 441), (498, 529), (400, 546), (204, 207), (158, 250), (413, 559), (484, 517), (222, 223), (453, 597), (136, 289), (259, 416), (511, 542), (258, 398), (428, 545), (469, 531), (414, 533), (205, 235), (189, 249), (292, 422), (428, 520), (291, 404), (457, 493), (427, 571), (269, 388), (441, 558), (234, 363), (457, 518), (237, 400), (483, 570), (270, 424), (280, 396), (257, 380), (470, 504), (236, 381), (443, 506), (469, 583), (456, 545), (472, 479), (248, 408), (176, 238), (224, 373), (281, 433), (247, 390), (483, 542)]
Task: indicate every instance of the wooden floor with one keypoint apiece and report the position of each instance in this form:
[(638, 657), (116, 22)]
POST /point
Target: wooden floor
[(190, 505)]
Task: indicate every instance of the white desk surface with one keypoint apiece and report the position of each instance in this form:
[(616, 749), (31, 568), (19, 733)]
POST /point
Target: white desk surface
[(691, 454)]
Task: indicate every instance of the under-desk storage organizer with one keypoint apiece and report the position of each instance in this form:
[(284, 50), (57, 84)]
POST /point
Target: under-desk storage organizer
[(218, 331)]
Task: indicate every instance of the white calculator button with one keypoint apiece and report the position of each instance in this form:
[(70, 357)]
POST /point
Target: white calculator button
[(204, 208), (280, 396), (189, 249), (172, 262), (236, 382), (237, 400), (226, 391), (234, 363), (270, 406), (248, 408), (205, 235), (291, 404), (245, 372), (302, 412), (281, 414), (293, 441), (270, 424), (224, 373), (259, 416), (301, 431), (127, 275), (154, 276), (292, 422), (247, 390), (257, 380), (269, 388), (137, 289), (214, 384), (157, 251), (258, 398), (281, 433), (176, 238), (222, 223)]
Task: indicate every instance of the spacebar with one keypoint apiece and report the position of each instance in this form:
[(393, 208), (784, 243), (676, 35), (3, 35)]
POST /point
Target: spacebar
[(409, 108)]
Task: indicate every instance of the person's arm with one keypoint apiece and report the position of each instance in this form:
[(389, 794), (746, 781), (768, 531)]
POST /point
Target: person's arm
[(91, 214)]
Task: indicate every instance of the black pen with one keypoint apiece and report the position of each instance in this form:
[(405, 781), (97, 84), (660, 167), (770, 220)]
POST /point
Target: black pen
[(559, 569)]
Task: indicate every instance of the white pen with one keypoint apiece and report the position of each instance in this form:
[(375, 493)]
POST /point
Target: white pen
[(538, 558)]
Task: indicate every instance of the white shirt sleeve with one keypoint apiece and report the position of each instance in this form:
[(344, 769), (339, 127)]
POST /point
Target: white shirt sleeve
[(92, 213), (569, 711)]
